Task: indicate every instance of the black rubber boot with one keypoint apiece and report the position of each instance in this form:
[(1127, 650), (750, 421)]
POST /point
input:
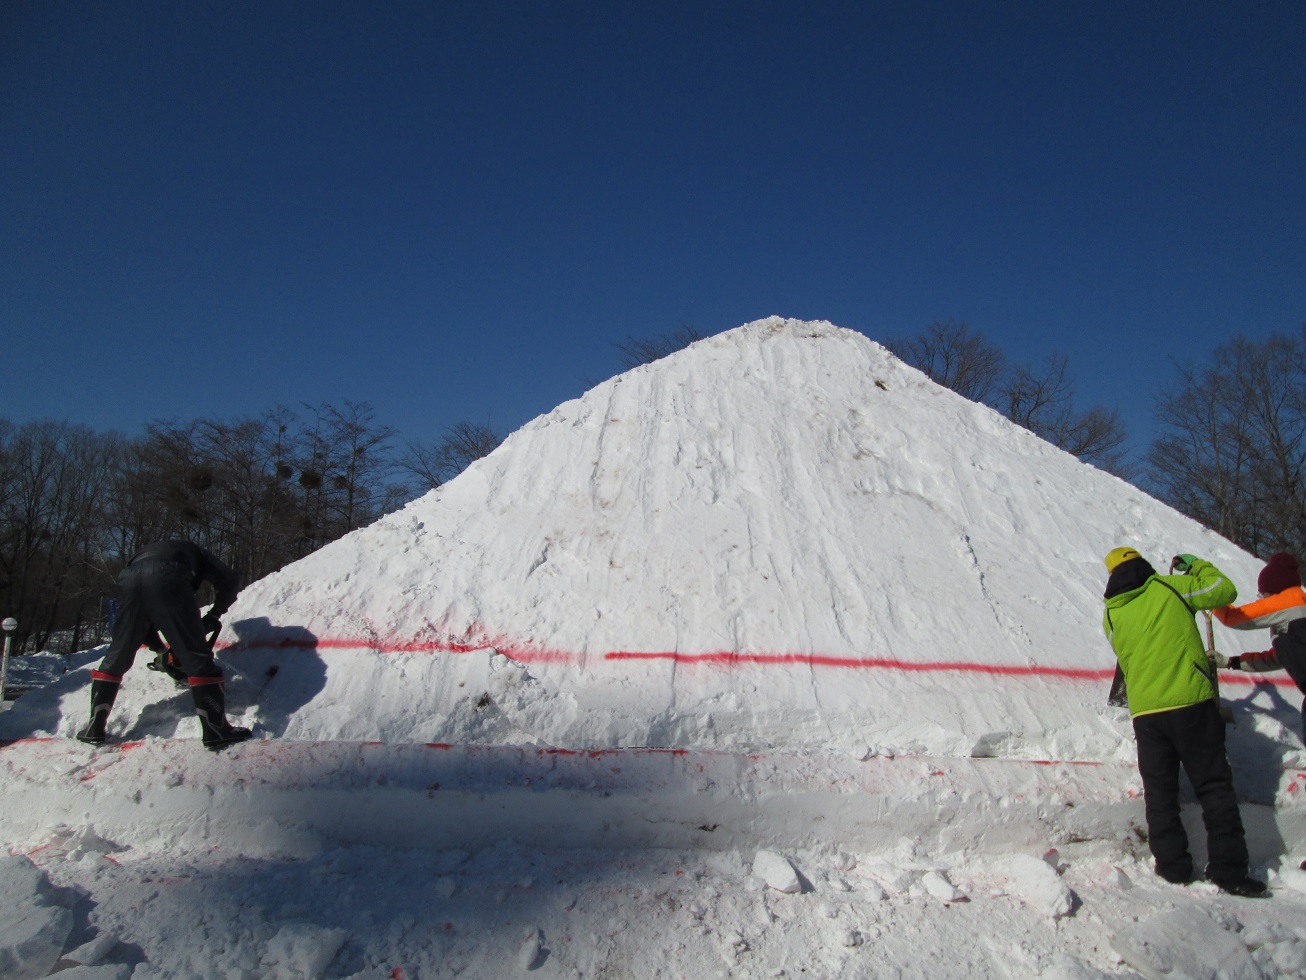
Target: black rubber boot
[(103, 693), (211, 709), (1244, 888)]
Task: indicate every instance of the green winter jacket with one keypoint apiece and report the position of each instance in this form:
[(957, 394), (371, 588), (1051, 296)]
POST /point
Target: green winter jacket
[(1155, 638)]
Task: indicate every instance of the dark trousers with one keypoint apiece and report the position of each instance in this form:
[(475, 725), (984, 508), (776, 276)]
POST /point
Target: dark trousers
[(1290, 648), (1191, 737), (157, 595)]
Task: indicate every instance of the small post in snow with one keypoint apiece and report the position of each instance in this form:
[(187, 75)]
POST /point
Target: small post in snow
[(9, 625)]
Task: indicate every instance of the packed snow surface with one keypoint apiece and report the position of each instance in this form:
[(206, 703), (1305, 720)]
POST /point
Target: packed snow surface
[(770, 658)]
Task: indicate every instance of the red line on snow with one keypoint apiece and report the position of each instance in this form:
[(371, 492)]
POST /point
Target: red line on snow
[(519, 652), (732, 659), (530, 654)]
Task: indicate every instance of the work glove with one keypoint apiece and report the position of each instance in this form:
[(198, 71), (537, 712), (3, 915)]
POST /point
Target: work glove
[(1182, 563), (166, 663), (1226, 663)]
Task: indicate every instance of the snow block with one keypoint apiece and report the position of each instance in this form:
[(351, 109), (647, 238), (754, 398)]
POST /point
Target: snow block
[(936, 884), (777, 872), (91, 953), (21, 880), (1293, 878), (31, 940), (1184, 943), (118, 971), (33, 929), (528, 954), (300, 949), (1038, 885)]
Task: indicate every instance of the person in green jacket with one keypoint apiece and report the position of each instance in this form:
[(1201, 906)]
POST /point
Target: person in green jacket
[(1172, 700)]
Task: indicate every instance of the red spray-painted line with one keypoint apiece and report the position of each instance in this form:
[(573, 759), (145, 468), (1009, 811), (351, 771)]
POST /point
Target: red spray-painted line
[(532, 655), (528, 654), (732, 659), (520, 653)]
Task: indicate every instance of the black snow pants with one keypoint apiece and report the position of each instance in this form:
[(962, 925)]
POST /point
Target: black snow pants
[(1191, 737), (1290, 648), (157, 595)]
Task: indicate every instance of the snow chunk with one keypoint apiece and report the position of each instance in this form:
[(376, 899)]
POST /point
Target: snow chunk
[(445, 887), (115, 971), (32, 929), (21, 880), (89, 954), (1066, 967), (936, 883), (1184, 943), (1293, 878), (890, 876), (528, 954), (31, 940), (303, 950), (777, 872), (1038, 885)]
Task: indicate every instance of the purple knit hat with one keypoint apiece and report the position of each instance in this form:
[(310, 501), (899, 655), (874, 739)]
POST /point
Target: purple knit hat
[(1280, 572)]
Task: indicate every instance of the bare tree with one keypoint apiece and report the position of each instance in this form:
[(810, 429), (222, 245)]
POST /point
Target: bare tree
[(1097, 436), (359, 464), (1232, 449), (961, 359), (954, 356), (1044, 404), (635, 351), (54, 478), (432, 464), (1199, 463), (344, 462)]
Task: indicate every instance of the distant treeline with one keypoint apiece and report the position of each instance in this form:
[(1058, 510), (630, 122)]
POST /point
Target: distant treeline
[(259, 492), (262, 492)]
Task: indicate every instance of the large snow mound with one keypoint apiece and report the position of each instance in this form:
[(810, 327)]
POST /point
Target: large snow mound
[(781, 537)]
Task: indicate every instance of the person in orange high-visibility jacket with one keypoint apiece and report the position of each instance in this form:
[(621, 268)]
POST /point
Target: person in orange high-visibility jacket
[(1282, 609), (1177, 724)]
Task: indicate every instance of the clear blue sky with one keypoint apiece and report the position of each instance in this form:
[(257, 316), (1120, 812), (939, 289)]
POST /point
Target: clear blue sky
[(454, 210)]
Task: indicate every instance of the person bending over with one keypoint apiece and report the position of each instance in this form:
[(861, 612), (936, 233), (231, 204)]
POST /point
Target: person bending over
[(156, 594)]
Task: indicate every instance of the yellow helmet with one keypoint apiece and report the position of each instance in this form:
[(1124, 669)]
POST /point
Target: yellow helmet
[(1118, 556)]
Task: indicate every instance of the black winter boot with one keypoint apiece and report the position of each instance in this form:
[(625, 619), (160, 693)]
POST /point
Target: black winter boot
[(211, 708), (103, 693), (1246, 887)]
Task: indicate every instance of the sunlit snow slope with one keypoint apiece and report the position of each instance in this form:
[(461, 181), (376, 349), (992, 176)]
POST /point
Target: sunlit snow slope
[(779, 537)]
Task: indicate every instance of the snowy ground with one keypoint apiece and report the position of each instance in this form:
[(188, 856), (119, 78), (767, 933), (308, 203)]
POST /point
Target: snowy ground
[(768, 659), (289, 859)]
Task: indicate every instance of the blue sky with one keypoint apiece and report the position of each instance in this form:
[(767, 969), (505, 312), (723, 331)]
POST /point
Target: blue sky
[(455, 210)]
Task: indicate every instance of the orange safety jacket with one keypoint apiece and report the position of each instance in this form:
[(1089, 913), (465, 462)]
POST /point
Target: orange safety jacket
[(1277, 612)]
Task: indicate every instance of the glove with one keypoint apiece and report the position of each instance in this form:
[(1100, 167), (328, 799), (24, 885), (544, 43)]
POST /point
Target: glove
[(167, 663), (1182, 563), (1226, 663), (212, 625)]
